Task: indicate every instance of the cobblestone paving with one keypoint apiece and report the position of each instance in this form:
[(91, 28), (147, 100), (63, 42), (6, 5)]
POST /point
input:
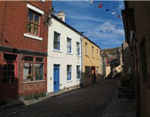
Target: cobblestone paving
[(120, 108), (90, 101)]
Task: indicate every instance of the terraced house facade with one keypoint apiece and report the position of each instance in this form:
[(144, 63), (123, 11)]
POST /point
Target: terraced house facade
[(91, 62), (23, 47)]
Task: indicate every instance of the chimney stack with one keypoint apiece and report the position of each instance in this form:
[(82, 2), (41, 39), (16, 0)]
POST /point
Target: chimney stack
[(61, 15)]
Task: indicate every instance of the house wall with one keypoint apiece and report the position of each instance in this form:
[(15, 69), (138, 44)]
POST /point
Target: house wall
[(88, 60), (141, 17), (108, 70), (13, 25), (126, 57), (116, 70), (62, 57)]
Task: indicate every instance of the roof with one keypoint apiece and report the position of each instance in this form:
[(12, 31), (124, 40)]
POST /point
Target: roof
[(56, 18), (91, 41)]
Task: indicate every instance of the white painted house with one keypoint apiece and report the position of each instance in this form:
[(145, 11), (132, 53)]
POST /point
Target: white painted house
[(64, 55)]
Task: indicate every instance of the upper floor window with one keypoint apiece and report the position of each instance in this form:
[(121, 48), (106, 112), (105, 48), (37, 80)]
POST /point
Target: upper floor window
[(92, 51), (85, 48), (68, 45), (97, 53), (56, 41), (78, 48), (33, 25)]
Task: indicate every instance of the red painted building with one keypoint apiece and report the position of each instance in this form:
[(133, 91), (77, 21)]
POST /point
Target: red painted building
[(23, 47)]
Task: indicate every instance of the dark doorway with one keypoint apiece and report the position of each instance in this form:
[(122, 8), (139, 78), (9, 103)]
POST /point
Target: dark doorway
[(93, 74)]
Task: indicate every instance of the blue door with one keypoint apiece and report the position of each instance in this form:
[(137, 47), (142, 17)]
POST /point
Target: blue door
[(56, 78)]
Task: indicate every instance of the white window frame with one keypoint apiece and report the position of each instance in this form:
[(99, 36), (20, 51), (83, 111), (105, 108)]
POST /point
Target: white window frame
[(35, 9)]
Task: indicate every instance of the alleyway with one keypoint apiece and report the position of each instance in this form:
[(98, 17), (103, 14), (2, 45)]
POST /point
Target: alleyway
[(90, 101)]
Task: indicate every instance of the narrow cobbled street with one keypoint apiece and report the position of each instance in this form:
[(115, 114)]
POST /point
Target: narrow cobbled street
[(90, 101)]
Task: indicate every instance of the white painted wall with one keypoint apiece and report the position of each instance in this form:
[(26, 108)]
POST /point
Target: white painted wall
[(61, 57)]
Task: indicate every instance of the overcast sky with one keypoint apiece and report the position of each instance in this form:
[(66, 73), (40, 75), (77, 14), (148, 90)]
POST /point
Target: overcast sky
[(102, 27)]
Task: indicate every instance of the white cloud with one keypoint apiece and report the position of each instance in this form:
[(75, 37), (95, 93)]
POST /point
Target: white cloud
[(85, 18), (121, 5), (111, 27)]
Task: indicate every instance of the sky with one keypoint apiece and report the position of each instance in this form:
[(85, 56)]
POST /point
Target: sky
[(101, 27)]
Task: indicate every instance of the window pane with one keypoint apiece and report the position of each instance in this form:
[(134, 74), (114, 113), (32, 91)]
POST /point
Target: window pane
[(10, 57), (39, 71), (36, 19), (9, 66), (8, 80), (39, 59), (30, 16), (28, 72), (68, 72), (28, 58), (55, 45), (4, 80), (56, 40), (87, 70), (5, 67), (35, 31), (29, 27), (4, 74)]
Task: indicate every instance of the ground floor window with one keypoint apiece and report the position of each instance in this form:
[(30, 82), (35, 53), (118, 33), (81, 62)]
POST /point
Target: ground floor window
[(68, 72), (87, 71), (78, 71), (33, 68)]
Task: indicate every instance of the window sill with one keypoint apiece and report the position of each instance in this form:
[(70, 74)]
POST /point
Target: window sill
[(32, 36), (78, 55), (34, 81), (9, 83), (57, 50), (68, 81), (69, 53), (78, 79)]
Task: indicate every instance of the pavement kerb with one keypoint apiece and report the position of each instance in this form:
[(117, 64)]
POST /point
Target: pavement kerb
[(110, 102)]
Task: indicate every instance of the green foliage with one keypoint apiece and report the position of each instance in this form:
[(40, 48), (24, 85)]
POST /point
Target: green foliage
[(35, 96), (126, 79), (111, 51)]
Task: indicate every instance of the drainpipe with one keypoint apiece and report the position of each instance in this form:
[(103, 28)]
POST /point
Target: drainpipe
[(81, 60)]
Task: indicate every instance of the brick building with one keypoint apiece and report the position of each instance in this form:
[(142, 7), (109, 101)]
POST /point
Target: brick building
[(136, 24), (23, 47)]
